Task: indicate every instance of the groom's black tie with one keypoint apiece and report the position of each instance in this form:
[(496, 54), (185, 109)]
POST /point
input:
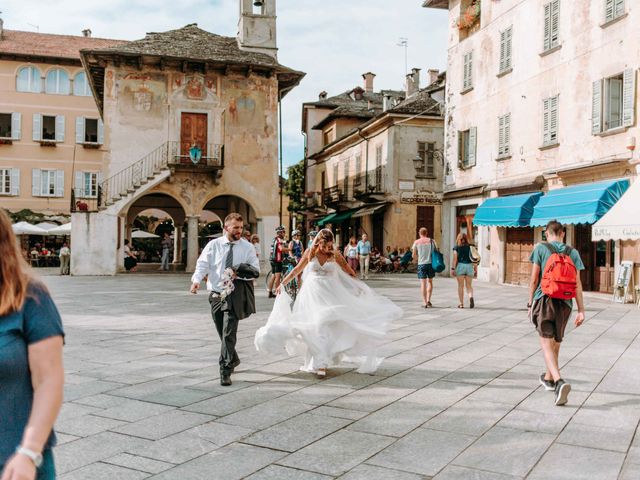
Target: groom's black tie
[(228, 263)]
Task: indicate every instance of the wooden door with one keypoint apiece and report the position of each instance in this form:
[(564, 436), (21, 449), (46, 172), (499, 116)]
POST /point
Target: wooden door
[(518, 249), (585, 248), (604, 266), (425, 218), (193, 131)]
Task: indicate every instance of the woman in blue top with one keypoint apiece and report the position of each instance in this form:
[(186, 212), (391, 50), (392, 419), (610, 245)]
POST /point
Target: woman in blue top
[(31, 374)]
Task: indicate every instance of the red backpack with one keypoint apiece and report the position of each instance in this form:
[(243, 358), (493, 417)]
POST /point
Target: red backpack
[(560, 275)]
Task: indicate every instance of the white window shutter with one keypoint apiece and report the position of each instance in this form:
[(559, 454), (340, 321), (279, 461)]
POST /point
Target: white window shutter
[(16, 125), (59, 183), (547, 27), (503, 50), (596, 107), (629, 97), (555, 23), (473, 134), (508, 41), (609, 13), (100, 132), (501, 135), (553, 119), (619, 7), (546, 121), (79, 129), (36, 187), (79, 185), (59, 128), (507, 133), (471, 68), (37, 127), (15, 181)]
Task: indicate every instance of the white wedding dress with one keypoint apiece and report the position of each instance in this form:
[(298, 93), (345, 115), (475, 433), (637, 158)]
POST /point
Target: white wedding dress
[(334, 319)]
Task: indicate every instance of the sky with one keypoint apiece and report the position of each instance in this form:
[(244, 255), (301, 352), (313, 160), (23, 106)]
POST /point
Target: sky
[(333, 41)]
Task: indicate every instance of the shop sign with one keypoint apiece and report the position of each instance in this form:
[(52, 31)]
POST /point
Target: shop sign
[(406, 185), (414, 198)]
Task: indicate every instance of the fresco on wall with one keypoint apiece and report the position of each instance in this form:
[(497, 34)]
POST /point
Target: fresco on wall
[(246, 109), (109, 84), (142, 95)]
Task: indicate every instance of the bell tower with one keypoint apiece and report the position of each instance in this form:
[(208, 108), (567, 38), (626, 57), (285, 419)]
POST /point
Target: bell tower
[(257, 26)]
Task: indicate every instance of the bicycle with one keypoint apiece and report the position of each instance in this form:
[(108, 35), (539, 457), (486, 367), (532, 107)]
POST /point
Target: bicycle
[(289, 263)]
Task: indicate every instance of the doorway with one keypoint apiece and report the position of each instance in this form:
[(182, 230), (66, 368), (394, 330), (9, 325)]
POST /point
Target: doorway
[(193, 132), (519, 244), (425, 218), (585, 248), (604, 266)]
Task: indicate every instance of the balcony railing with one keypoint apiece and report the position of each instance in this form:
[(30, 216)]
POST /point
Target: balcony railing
[(200, 157)]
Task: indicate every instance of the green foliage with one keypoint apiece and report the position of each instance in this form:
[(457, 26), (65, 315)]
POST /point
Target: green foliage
[(294, 188)]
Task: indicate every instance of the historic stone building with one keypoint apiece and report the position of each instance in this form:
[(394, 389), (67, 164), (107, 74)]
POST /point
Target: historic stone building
[(541, 99), (374, 160), (190, 126)]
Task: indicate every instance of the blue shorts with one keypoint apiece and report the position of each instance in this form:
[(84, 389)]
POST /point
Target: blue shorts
[(426, 271), (465, 270)]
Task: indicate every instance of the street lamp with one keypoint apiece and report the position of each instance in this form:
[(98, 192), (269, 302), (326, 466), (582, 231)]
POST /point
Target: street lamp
[(418, 163), (258, 3)]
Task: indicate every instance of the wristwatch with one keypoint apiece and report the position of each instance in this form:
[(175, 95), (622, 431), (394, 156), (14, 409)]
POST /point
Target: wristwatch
[(36, 458)]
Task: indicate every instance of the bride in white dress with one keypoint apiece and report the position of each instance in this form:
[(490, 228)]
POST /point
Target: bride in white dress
[(335, 318)]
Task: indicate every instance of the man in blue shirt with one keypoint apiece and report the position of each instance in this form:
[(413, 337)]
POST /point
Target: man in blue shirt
[(364, 250), (551, 315)]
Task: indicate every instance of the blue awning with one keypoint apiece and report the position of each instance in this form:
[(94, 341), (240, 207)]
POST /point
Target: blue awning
[(508, 211), (585, 203)]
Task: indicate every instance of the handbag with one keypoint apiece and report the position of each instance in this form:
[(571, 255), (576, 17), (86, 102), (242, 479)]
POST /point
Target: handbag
[(474, 254), (437, 259)]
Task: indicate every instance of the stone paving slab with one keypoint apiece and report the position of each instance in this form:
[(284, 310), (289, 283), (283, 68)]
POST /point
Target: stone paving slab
[(457, 397)]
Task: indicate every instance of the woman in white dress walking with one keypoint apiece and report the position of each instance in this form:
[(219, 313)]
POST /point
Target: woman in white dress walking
[(335, 317)]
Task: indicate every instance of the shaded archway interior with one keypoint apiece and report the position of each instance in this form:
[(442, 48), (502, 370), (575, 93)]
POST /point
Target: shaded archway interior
[(226, 204)]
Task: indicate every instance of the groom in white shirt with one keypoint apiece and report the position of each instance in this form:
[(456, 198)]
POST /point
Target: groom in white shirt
[(228, 251)]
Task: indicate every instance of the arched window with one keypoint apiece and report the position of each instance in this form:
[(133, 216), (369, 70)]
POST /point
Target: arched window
[(80, 85), (57, 82), (29, 80)]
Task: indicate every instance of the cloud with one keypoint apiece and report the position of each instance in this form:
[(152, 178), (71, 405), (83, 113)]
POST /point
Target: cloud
[(333, 41)]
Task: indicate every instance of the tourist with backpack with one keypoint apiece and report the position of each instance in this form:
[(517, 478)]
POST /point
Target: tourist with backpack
[(555, 282), (423, 252)]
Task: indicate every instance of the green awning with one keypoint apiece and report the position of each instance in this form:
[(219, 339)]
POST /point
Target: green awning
[(323, 221), (342, 216)]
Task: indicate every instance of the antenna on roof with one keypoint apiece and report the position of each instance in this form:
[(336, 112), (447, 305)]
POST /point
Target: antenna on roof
[(35, 26), (404, 42)]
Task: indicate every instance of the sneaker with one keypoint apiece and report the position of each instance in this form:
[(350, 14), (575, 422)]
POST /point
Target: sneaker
[(562, 392), (549, 385)]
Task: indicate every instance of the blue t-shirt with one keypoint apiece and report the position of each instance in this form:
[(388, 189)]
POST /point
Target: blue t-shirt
[(541, 254), (364, 248), (37, 320)]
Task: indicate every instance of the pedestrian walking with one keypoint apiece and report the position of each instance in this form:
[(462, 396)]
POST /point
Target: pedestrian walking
[(312, 234), (255, 241), (555, 282), (364, 252), (335, 318), (463, 269), (166, 249), (65, 259), (351, 253), (230, 264), (422, 252), (296, 248), (278, 251), (31, 369)]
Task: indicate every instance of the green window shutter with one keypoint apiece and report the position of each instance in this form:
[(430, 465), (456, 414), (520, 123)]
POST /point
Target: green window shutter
[(596, 107), (628, 97)]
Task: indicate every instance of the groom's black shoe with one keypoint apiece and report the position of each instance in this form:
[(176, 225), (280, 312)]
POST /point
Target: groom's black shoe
[(225, 379), (234, 364)]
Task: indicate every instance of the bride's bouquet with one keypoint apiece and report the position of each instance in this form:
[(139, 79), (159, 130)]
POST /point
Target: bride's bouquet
[(226, 286)]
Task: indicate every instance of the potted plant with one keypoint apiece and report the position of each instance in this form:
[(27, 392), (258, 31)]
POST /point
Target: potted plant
[(469, 16)]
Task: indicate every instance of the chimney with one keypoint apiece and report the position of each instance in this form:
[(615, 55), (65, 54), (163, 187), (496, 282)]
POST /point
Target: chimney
[(86, 32), (368, 81), (386, 102), (322, 95), (413, 81), (433, 75)]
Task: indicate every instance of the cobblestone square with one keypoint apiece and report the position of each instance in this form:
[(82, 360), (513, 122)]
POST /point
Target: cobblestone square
[(456, 398)]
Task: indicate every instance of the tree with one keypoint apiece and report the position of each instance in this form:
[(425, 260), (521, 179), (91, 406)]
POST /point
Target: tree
[(294, 189)]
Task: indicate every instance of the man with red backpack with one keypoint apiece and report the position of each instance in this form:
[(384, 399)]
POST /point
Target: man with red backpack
[(555, 282)]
